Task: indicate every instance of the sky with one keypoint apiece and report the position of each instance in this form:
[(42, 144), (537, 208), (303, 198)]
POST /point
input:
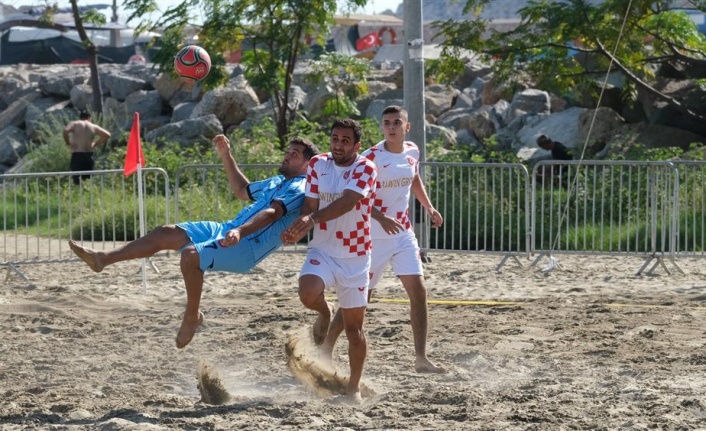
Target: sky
[(373, 6)]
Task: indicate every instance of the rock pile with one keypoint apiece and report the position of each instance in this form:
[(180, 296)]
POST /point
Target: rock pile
[(473, 109)]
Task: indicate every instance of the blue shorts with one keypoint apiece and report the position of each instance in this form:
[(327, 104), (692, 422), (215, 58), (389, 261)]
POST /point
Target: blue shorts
[(204, 236)]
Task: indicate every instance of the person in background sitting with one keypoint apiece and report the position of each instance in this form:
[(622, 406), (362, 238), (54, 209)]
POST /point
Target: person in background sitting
[(559, 152)]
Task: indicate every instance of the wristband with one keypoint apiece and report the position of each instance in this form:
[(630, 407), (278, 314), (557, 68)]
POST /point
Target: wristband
[(311, 217)]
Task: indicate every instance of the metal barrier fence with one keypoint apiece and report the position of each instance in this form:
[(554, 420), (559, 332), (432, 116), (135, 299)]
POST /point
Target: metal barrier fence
[(42, 211), (610, 207), (485, 208), (691, 227), (652, 210)]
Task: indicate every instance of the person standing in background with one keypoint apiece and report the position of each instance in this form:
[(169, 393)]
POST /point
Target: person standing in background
[(82, 137)]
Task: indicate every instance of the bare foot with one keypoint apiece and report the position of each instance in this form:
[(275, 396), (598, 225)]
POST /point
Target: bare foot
[(355, 398), (321, 325), (187, 330), (91, 257), (424, 365)]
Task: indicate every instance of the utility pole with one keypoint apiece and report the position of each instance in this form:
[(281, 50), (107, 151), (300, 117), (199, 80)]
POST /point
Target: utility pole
[(115, 32), (114, 18), (414, 72), (414, 103)]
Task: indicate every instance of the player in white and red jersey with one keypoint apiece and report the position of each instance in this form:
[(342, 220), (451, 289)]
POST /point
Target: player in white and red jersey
[(394, 242), (338, 203)]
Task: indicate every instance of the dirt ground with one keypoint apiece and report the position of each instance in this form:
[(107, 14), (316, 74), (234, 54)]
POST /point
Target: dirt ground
[(589, 345)]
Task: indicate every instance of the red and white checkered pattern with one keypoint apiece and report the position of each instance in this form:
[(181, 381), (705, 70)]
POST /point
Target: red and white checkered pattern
[(396, 171), (349, 234)]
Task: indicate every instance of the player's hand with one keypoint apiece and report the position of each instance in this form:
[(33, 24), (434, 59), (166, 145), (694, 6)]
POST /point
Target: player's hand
[(297, 229), (222, 145), (232, 238), (436, 219), (390, 225)]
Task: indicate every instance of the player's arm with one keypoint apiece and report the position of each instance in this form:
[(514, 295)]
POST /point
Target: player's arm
[(310, 216), (67, 130), (303, 223), (237, 180), (421, 194), (102, 134), (389, 224), (262, 219), (337, 208)]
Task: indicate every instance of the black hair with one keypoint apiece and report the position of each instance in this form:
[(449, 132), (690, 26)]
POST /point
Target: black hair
[(542, 139), (349, 124), (310, 150), (84, 115), (395, 109)]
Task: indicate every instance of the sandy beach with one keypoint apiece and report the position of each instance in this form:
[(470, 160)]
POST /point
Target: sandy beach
[(589, 345)]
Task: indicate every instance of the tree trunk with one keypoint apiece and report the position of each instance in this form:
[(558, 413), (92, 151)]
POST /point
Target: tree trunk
[(92, 50)]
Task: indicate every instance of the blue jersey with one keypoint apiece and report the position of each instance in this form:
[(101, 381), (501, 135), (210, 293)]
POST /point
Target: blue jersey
[(289, 193), (253, 248)]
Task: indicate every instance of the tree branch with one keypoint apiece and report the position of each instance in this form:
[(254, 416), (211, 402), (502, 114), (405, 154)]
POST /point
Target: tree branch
[(647, 87)]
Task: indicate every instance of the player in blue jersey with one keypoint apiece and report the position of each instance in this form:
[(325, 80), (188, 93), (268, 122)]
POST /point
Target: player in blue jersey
[(236, 245)]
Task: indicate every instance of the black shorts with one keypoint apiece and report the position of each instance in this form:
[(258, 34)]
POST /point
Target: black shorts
[(81, 161)]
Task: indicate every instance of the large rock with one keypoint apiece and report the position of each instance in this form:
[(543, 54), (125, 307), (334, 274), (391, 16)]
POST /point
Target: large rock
[(176, 91), (121, 85), (13, 145), (438, 98), (651, 136), (562, 127), (147, 103), (60, 84), (81, 96), (483, 122), (182, 111), (530, 101), (13, 88), (17, 111), (188, 132), (597, 127), (230, 104), (44, 111)]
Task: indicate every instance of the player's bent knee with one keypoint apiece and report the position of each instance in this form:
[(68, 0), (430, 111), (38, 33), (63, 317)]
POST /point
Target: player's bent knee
[(190, 258), (308, 295), (310, 289)]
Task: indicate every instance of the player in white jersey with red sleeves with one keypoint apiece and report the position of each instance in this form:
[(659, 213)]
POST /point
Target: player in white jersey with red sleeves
[(394, 242), (337, 204)]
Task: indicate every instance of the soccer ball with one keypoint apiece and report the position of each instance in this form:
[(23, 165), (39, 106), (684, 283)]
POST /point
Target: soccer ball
[(192, 62)]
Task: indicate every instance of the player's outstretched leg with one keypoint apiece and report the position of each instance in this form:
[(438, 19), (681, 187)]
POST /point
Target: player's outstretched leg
[(169, 237), (193, 279), (93, 259), (417, 293)]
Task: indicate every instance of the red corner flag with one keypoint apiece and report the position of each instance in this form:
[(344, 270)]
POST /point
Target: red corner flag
[(134, 156)]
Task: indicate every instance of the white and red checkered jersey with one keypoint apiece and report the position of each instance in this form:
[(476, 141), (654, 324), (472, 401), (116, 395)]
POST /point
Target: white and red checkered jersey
[(395, 174), (349, 234)]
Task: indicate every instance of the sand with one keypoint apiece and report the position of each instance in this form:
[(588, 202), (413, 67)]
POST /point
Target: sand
[(587, 346)]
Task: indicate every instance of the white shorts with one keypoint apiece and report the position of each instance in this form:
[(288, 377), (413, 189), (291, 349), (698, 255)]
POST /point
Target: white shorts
[(350, 276), (401, 251)]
